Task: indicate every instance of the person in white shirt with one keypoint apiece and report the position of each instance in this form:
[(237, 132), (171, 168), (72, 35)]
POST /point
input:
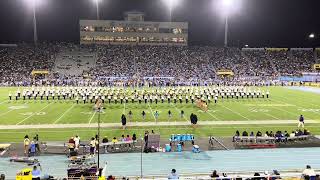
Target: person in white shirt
[(308, 171), (76, 142)]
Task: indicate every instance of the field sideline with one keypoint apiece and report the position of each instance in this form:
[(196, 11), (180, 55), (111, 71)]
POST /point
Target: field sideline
[(281, 109)]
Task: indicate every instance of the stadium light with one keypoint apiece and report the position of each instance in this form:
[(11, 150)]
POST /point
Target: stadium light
[(246, 45), (311, 36), (34, 4), (227, 7), (171, 5), (97, 8)]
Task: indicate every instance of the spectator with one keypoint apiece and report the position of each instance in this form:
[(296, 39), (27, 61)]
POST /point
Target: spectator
[(308, 172), (214, 174), (173, 175), (26, 143), (36, 173)]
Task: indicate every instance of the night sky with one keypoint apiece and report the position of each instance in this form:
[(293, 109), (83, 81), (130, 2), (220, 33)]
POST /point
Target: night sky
[(259, 23)]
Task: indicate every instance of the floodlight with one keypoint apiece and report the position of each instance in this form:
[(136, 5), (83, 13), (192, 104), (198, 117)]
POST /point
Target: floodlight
[(311, 36), (171, 3), (246, 45)]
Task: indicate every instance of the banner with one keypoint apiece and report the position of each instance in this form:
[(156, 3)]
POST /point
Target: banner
[(277, 49), (39, 71), (225, 72)]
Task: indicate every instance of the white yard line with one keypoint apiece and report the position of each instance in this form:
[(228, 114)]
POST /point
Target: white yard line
[(4, 101), (213, 115), (64, 114), (152, 112), (124, 108), (32, 114), (6, 112), (92, 117), (286, 110), (234, 112), (307, 107), (271, 116)]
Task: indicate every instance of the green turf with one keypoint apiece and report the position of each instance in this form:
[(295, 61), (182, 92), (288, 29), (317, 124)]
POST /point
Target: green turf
[(165, 132), (284, 104)]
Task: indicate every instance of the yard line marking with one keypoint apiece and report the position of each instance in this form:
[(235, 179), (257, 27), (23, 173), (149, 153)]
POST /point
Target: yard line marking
[(152, 112), (4, 101), (124, 108), (304, 107), (288, 111), (64, 114), (234, 112), (6, 112), (32, 114), (212, 115), (270, 115), (179, 110), (92, 117)]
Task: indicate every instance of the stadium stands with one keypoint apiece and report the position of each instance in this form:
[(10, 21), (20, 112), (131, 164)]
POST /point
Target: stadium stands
[(160, 65)]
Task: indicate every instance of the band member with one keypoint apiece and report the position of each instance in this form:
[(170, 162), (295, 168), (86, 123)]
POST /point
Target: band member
[(121, 99), (84, 99), (10, 95), (109, 99), (115, 99), (77, 99), (215, 99)]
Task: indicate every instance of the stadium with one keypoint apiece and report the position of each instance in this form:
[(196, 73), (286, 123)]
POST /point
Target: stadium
[(105, 89)]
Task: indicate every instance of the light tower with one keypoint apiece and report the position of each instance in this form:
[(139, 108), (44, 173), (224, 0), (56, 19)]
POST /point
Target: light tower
[(97, 8), (227, 7)]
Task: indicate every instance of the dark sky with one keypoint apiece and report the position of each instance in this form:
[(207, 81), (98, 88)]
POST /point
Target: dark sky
[(259, 23)]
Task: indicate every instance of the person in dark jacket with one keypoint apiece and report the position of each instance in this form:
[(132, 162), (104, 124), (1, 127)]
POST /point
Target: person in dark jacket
[(123, 121)]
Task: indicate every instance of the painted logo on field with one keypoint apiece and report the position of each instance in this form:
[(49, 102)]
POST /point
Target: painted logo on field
[(309, 110), (33, 113), (256, 110), (18, 107)]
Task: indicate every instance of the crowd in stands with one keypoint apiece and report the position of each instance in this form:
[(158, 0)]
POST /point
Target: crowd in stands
[(279, 136), (160, 65)]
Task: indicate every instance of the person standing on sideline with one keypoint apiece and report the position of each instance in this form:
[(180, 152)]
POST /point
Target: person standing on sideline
[(26, 143), (143, 115), (130, 116), (123, 121), (173, 174), (156, 116), (182, 114), (301, 121), (169, 115)]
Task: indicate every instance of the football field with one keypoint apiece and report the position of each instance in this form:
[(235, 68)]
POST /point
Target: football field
[(281, 109)]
